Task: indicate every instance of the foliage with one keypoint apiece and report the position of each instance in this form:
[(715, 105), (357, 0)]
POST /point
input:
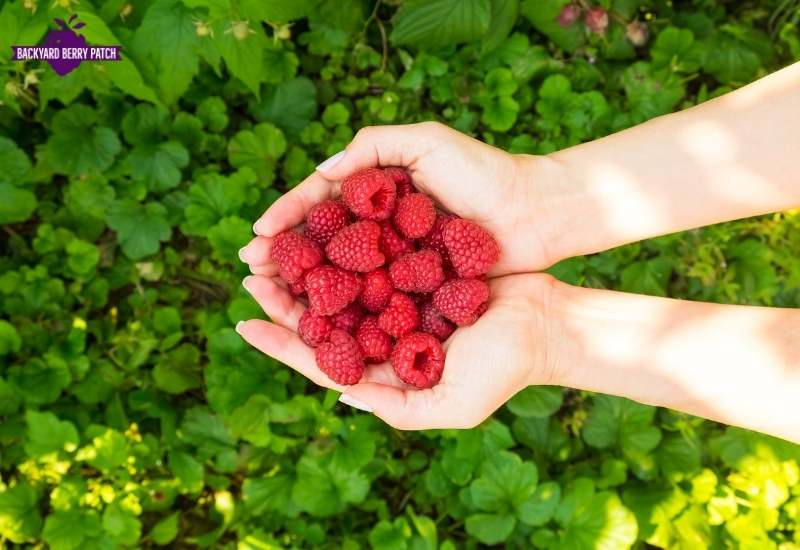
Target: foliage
[(131, 414)]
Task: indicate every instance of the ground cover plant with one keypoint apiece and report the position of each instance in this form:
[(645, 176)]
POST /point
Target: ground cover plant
[(131, 413)]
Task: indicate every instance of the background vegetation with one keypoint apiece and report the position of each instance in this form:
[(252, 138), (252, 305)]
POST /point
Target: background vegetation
[(132, 415)]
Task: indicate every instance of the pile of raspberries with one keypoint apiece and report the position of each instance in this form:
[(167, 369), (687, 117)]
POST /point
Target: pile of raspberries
[(387, 276)]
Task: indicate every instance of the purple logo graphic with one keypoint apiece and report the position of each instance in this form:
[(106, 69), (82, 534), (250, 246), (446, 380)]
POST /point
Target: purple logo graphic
[(64, 49)]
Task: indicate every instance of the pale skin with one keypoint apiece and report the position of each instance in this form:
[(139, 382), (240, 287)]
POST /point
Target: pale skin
[(733, 157)]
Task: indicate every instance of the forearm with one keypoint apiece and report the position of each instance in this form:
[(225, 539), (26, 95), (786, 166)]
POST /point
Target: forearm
[(729, 158), (738, 365)]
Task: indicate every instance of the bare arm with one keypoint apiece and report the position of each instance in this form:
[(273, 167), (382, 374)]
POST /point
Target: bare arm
[(735, 364), (732, 157)]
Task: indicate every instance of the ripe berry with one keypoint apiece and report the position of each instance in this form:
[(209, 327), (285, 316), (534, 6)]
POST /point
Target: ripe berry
[(402, 180), (357, 247), (435, 237), (370, 194), (392, 244), (462, 300), (325, 220), (432, 322), (314, 329), (376, 345), (340, 358), (294, 254), (414, 215), (298, 288), (349, 318), (331, 289), (400, 316), (418, 359), (472, 249), (569, 14), (417, 272), (376, 290), (597, 20)]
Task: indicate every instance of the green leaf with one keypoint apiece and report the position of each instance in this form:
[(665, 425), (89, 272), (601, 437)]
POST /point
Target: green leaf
[(536, 401), (490, 528), (430, 24), (17, 205), (290, 105), (213, 196), (159, 166), (10, 341), (14, 163), (504, 15), (614, 420), (140, 228), (71, 529), (47, 434), (82, 256), (166, 530), (41, 381), (10, 400), (243, 56), (20, 520), (178, 370), (388, 535), (78, 145), (647, 276), (541, 507), (228, 236), (676, 50), (167, 34), (543, 14), (730, 60), (121, 525), (188, 471), (258, 149), (277, 11), (251, 421), (602, 521), (323, 492), (650, 95)]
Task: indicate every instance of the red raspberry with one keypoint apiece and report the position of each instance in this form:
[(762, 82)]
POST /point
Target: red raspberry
[(349, 318), (472, 249), (432, 322), (415, 215), (294, 254), (418, 359), (402, 180), (370, 194), (399, 317), (435, 238), (356, 247), (392, 244), (376, 290), (569, 14), (340, 358), (314, 329), (298, 288), (325, 220), (376, 345), (461, 300), (331, 289), (417, 272)]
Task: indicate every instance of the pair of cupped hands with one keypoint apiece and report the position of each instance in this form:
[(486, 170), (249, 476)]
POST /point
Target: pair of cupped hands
[(508, 348)]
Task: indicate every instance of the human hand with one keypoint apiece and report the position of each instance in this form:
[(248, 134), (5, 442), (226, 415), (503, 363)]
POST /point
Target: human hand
[(485, 363), (512, 196)]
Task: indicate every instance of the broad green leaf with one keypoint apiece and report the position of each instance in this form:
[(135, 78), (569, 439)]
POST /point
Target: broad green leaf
[(20, 520), (536, 401), (543, 14), (167, 34), (258, 149), (107, 451), (47, 434), (504, 15), (655, 508), (140, 228), (166, 530), (541, 507), (601, 522), (276, 11), (387, 535), (71, 529), (430, 24), (121, 525), (647, 276), (490, 528), (41, 380), (14, 163), (178, 370), (243, 54), (267, 494), (17, 204), (322, 492), (159, 166), (187, 470), (650, 95), (213, 196), (730, 60), (214, 113), (90, 196), (289, 105), (676, 50), (678, 456), (228, 236), (618, 421), (82, 256), (10, 400), (78, 145), (251, 421), (20, 26), (10, 341)]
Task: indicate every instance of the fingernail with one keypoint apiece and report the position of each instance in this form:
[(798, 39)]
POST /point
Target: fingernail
[(245, 282), (353, 402), (329, 163), (241, 254), (258, 227), (239, 327)]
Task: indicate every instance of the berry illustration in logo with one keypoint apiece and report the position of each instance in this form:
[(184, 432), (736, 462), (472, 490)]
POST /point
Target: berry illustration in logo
[(65, 37)]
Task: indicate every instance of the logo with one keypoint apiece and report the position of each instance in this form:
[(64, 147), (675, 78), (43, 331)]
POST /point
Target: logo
[(64, 49)]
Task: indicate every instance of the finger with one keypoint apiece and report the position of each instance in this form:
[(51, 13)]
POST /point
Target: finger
[(410, 409), (398, 145), (269, 270), (257, 252), (292, 207), (285, 346), (275, 300)]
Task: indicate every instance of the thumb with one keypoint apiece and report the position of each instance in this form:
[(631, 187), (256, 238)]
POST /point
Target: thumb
[(398, 145)]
